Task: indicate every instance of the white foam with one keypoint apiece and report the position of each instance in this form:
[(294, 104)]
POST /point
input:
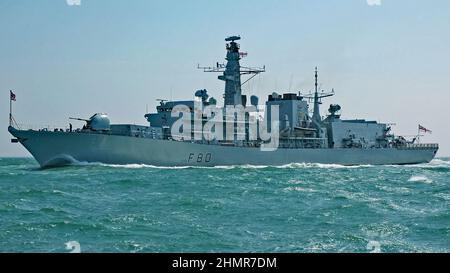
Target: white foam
[(435, 163), (444, 196), (295, 181), (141, 166), (301, 189), (125, 166), (322, 166), (440, 161), (420, 178), (58, 191), (374, 247), (229, 167), (74, 246)]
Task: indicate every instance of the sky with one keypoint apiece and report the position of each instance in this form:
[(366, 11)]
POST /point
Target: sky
[(387, 60)]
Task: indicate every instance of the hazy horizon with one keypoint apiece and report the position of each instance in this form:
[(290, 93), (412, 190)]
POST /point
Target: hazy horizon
[(387, 60)]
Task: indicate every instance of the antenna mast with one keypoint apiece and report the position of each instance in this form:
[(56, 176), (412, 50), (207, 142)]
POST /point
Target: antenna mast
[(316, 82), (232, 72), (317, 97)]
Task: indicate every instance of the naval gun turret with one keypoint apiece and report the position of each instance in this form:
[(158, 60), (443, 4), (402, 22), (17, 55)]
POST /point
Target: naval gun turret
[(98, 122)]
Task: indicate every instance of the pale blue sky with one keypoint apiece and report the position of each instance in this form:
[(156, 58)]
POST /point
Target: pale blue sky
[(389, 62)]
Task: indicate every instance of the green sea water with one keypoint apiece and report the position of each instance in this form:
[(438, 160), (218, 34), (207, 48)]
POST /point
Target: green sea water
[(294, 208)]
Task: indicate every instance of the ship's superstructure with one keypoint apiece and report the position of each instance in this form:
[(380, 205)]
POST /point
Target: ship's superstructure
[(297, 127), (210, 135)]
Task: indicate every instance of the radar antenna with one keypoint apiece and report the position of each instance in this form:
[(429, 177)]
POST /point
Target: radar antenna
[(162, 101), (220, 68)]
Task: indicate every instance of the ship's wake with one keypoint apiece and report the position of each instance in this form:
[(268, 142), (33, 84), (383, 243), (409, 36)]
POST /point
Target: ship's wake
[(435, 164), (61, 161), (438, 162), (67, 160), (225, 167)]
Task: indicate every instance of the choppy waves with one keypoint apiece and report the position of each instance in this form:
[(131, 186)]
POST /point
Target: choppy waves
[(291, 208)]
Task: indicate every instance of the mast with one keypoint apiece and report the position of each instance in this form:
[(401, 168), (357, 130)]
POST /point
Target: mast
[(12, 97), (317, 98), (232, 72), (232, 75), (10, 111), (316, 113)]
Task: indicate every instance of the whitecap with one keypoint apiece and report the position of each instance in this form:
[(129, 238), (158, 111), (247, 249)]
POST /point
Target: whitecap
[(321, 166), (58, 192), (435, 163), (374, 246), (295, 181), (301, 189), (74, 246), (141, 166), (438, 161), (420, 178), (444, 196)]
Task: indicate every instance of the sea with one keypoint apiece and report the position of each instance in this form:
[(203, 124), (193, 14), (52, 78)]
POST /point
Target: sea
[(250, 209)]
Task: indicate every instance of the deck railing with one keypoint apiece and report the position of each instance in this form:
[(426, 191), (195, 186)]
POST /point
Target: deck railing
[(43, 127), (55, 128), (420, 146)]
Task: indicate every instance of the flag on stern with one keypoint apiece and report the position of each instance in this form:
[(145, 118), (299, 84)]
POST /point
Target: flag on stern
[(423, 129)]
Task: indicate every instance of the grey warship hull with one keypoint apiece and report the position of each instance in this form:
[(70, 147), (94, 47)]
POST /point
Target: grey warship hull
[(63, 148)]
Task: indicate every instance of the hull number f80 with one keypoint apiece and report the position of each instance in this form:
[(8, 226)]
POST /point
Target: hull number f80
[(199, 157)]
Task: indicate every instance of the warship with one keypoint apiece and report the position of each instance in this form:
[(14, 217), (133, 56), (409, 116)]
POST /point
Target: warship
[(198, 132)]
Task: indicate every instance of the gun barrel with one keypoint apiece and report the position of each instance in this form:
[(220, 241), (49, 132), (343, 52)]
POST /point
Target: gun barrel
[(80, 119)]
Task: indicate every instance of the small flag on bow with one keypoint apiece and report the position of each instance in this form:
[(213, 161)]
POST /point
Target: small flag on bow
[(12, 96)]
